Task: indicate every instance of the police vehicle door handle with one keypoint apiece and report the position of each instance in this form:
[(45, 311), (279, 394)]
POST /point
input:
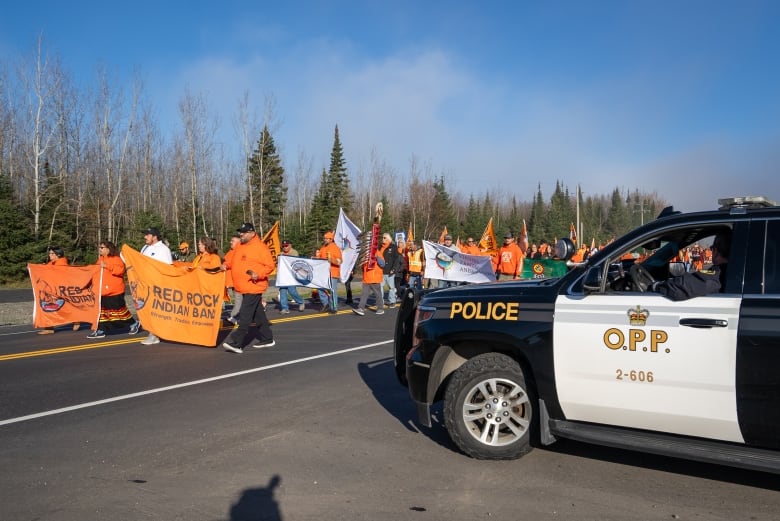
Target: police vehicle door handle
[(703, 322)]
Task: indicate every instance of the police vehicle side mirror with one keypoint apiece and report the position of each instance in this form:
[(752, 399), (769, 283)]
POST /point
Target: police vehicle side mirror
[(591, 282), (564, 249), (676, 269)]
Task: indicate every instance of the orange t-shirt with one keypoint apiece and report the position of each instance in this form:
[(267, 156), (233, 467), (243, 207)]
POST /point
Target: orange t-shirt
[(113, 275), (335, 258), (510, 259)]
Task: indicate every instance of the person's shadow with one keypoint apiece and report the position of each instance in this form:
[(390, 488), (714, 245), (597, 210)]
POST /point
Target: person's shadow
[(258, 504)]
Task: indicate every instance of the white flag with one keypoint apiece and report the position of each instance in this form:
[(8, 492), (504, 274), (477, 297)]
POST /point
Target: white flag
[(347, 240), (444, 263), (302, 271)]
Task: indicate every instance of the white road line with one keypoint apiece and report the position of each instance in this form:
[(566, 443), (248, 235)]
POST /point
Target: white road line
[(185, 384)]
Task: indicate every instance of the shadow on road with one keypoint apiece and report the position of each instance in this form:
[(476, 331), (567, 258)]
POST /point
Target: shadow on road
[(684, 467), (258, 504), (379, 376)]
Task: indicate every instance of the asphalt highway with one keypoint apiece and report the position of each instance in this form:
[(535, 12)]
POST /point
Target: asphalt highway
[(316, 427)]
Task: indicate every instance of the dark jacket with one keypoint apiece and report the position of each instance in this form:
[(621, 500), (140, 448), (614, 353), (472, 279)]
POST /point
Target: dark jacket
[(393, 261), (693, 284)]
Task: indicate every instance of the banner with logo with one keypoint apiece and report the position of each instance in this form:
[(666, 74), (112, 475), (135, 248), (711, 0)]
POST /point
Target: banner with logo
[(271, 239), (444, 263), (347, 240), (65, 294), (302, 271), (543, 268), (174, 303)]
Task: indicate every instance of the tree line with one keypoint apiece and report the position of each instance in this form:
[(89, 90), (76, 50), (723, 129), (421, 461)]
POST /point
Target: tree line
[(79, 165)]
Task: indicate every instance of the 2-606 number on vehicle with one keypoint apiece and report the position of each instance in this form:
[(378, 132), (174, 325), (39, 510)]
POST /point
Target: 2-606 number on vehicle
[(487, 408)]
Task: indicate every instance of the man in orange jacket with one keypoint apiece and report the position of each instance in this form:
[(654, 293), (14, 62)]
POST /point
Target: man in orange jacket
[(251, 264)]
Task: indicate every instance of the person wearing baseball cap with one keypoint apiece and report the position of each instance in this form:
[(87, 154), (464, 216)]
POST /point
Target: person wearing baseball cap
[(185, 254), (291, 291), (251, 264), (510, 259), (331, 252), (155, 248)]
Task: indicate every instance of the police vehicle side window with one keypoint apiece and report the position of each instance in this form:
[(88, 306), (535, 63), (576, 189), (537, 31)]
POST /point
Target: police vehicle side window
[(762, 262), (772, 258)]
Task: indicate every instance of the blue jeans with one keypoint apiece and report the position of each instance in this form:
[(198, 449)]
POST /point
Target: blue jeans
[(415, 281), (331, 297), (390, 281), (293, 291)]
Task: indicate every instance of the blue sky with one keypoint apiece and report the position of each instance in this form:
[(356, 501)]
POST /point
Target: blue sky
[(677, 97)]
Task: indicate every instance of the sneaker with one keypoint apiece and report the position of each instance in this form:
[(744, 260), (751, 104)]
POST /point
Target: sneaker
[(284, 312), (380, 311), (232, 320), (264, 343), (359, 311), (230, 347), (97, 334), (134, 328), (151, 339), (301, 307)]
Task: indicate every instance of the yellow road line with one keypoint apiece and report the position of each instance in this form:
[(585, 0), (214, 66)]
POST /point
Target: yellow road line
[(112, 343)]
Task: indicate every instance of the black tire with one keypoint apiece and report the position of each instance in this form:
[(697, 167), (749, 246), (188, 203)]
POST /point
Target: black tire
[(488, 409)]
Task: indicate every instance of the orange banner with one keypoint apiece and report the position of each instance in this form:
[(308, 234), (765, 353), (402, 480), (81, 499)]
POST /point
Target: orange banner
[(174, 303), (271, 239), (488, 241), (65, 294)]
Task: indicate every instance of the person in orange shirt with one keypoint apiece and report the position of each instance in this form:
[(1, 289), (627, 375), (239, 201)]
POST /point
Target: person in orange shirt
[(329, 250), (56, 258), (113, 308), (207, 257), (251, 263), (373, 280), (510, 259), (235, 240), (470, 247)]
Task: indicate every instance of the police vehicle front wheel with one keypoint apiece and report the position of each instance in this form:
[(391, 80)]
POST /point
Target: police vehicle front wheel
[(487, 408)]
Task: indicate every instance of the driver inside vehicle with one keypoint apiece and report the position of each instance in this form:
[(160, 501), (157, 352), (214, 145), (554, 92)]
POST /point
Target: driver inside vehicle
[(701, 282)]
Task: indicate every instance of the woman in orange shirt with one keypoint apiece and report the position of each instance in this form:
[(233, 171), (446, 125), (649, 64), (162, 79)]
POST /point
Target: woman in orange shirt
[(56, 258), (207, 257), (113, 308)]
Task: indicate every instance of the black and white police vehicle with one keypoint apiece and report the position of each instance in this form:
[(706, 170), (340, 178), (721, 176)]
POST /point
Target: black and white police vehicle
[(595, 356)]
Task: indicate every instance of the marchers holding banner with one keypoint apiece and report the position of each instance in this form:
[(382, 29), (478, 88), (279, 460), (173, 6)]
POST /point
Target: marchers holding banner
[(302, 271), (65, 294), (173, 303), (444, 263)]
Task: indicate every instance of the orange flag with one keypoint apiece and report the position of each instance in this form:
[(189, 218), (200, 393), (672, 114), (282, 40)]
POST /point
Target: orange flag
[(572, 233), (443, 234), (410, 235), (524, 238), (274, 244), (65, 294), (488, 241), (175, 304)]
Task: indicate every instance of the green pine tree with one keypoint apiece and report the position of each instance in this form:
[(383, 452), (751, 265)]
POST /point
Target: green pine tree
[(267, 182)]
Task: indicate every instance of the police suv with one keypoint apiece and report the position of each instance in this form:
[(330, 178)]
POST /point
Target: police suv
[(596, 356)]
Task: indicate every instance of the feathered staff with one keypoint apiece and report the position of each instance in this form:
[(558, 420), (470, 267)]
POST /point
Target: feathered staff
[(369, 241)]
